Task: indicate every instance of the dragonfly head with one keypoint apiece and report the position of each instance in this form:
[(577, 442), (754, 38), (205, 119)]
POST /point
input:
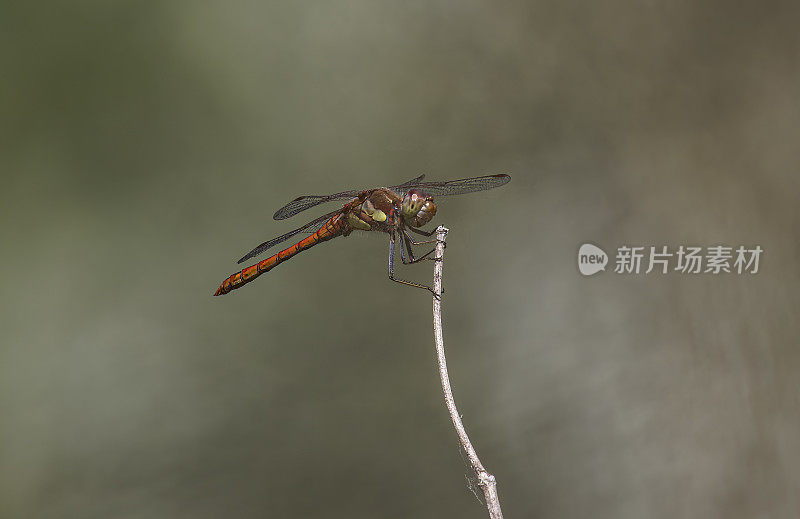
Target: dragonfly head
[(417, 208)]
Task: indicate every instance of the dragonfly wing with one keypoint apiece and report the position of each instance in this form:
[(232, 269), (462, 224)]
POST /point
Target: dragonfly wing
[(464, 185), (313, 225), (405, 186), (301, 203)]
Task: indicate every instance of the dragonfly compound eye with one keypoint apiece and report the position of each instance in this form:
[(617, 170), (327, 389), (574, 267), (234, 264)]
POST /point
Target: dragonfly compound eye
[(418, 209), (425, 213), (413, 203)]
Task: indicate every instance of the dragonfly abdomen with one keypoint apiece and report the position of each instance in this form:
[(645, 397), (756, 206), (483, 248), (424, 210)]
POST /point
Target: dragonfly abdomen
[(336, 226)]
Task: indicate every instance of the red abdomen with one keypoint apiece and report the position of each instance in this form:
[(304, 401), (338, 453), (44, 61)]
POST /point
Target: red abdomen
[(334, 227)]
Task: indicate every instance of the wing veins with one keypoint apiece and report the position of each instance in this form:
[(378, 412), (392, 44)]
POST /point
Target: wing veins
[(462, 186), (301, 203)]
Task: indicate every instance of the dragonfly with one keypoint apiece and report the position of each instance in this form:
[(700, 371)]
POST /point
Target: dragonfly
[(396, 210)]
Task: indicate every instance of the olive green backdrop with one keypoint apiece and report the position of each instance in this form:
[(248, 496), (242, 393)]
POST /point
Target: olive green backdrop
[(145, 145)]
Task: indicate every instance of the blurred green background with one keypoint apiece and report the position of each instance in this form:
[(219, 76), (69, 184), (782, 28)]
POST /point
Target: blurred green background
[(145, 145)]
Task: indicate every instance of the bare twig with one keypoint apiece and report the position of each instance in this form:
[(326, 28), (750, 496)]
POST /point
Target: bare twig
[(486, 481)]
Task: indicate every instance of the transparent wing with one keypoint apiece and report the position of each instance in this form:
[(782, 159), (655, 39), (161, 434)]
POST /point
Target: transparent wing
[(408, 184), (458, 187), (301, 203), (311, 226)]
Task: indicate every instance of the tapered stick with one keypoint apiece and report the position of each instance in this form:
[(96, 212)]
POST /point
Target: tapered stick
[(486, 481)]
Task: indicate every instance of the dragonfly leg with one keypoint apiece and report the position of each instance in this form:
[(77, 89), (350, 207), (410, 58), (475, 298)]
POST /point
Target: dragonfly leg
[(408, 241), (421, 232), (406, 246), (402, 253), (391, 269)]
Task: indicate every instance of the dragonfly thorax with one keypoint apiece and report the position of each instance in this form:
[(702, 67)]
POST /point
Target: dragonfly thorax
[(417, 208)]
